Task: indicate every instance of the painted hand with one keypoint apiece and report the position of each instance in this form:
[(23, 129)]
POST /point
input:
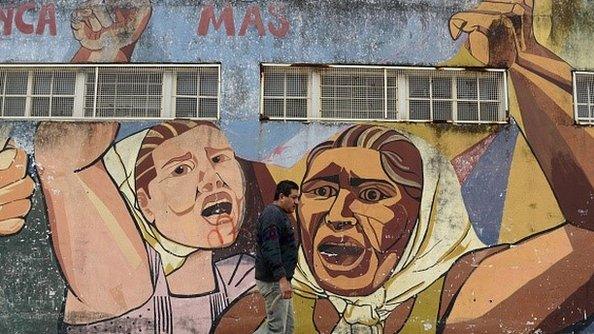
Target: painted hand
[(16, 188), (499, 31), (107, 26)]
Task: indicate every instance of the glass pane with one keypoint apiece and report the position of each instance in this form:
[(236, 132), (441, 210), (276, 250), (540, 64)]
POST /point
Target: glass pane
[(187, 84), (490, 111), (442, 88), (468, 111), (16, 83), (581, 89), (489, 89), (297, 85), (442, 110), (418, 86), (208, 108), (185, 107), (42, 83), (274, 84), (328, 107), (297, 108), (467, 88), (209, 84), (583, 111), (40, 106), (274, 107), (419, 110), (62, 106), (64, 83), (14, 106)]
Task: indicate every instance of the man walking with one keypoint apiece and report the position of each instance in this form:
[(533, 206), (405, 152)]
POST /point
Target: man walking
[(276, 259)]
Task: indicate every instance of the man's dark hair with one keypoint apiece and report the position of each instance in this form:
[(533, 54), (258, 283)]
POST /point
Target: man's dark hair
[(284, 187)]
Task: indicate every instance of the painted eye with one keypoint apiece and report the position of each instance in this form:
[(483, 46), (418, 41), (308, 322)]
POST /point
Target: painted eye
[(325, 191), (181, 170), (372, 195), (219, 158)]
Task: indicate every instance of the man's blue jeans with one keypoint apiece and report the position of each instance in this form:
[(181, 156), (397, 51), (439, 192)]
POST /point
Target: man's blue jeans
[(279, 311)]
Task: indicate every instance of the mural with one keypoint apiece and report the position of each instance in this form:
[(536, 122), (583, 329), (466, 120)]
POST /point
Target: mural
[(408, 228)]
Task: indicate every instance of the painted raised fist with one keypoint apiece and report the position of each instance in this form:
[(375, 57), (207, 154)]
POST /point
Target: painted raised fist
[(16, 188), (500, 32), (105, 28)]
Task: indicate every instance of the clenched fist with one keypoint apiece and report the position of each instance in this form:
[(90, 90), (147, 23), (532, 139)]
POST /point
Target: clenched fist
[(500, 32), (105, 27), (16, 188)]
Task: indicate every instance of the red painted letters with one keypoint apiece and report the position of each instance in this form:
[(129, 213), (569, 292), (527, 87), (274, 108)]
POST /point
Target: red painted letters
[(46, 17), (277, 25)]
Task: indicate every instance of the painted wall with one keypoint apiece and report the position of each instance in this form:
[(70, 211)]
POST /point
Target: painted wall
[(122, 227)]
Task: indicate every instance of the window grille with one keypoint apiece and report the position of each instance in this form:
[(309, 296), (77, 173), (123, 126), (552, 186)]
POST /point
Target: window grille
[(340, 92), (286, 92), (583, 96), (110, 91)]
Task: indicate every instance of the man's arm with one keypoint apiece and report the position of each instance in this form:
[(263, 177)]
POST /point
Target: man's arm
[(95, 239), (500, 33), (271, 251)]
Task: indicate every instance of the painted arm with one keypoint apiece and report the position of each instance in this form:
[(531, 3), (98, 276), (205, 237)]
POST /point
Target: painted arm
[(542, 283), (500, 33), (237, 319), (108, 30), (94, 237)]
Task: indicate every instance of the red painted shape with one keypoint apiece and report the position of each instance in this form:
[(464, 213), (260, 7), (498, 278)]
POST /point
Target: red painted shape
[(465, 162), (282, 28), (21, 25), (47, 17), (252, 18), (208, 15), (6, 16)]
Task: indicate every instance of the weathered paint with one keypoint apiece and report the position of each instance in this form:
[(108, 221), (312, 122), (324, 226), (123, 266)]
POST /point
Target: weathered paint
[(522, 180)]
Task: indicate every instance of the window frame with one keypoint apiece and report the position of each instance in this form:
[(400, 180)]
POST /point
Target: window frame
[(168, 92), (402, 111), (581, 121)]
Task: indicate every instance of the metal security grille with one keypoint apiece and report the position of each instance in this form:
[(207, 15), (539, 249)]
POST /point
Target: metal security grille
[(340, 92), (110, 91), (286, 92), (37, 92), (460, 96), (353, 93), (584, 97)]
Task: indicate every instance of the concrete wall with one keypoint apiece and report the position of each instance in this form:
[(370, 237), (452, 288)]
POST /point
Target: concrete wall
[(86, 248)]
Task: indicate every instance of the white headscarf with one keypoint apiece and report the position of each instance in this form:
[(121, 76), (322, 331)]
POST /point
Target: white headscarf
[(120, 162), (442, 234)]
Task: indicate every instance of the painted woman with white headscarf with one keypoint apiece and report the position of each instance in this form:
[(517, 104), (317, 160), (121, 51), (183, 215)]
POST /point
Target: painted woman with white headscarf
[(148, 231), (382, 218)]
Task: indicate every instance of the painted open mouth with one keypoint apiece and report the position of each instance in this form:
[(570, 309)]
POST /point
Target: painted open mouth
[(217, 209), (344, 252)]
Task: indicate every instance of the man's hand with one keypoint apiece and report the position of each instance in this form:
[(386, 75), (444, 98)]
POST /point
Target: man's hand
[(285, 287), (106, 27), (16, 188), (499, 31)]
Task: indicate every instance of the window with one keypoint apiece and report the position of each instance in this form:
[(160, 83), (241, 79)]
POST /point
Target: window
[(342, 92), (583, 97), (110, 91)]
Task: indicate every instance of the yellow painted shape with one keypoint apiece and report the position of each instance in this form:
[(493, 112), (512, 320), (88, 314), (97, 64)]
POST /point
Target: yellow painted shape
[(513, 105), (423, 317), (303, 308), (117, 233), (462, 58), (530, 205)]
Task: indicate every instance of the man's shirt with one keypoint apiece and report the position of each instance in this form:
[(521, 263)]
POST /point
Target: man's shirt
[(276, 251)]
